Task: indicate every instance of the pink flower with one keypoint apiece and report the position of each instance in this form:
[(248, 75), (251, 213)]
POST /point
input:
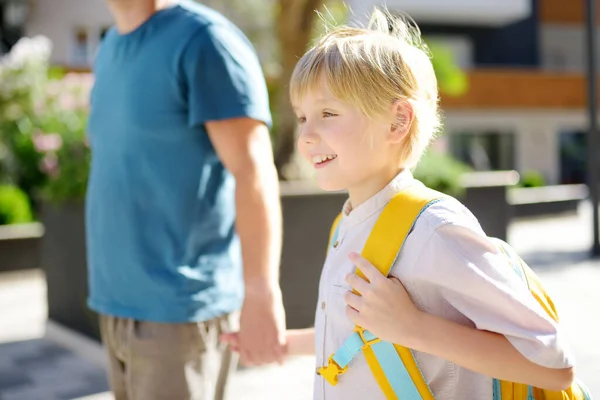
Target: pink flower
[(47, 142), (68, 102), (49, 165)]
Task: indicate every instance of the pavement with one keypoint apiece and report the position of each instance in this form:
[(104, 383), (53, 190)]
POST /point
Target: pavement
[(39, 360)]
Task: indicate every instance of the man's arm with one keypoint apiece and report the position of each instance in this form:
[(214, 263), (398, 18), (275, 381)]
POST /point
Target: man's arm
[(244, 147)]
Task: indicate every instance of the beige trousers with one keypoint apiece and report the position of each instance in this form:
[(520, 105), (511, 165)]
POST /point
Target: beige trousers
[(154, 361)]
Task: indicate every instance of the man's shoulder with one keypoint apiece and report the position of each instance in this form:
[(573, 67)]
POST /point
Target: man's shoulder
[(199, 20)]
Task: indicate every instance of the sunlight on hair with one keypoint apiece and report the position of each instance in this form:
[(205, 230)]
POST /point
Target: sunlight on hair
[(370, 68)]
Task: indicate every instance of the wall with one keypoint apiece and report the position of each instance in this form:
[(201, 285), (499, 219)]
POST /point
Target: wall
[(58, 20), (514, 44), (463, 12), (536, 133), (563, 47)]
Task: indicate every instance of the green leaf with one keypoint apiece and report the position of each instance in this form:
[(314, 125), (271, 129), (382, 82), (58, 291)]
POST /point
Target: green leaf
[(56, 73), (452, 80)]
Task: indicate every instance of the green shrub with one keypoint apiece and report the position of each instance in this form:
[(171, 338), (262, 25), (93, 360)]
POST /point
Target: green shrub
[(14, 206), (531, 179), (441, 172)]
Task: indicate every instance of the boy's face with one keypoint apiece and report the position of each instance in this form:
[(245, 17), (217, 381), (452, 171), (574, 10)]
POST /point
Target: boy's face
[(347, 149)]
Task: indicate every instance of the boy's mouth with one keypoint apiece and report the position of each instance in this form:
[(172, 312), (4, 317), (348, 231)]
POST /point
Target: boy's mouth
[(323, 159)]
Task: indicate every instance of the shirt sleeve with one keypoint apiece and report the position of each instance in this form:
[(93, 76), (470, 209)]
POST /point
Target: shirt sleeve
[(223, 77), (476, 279)]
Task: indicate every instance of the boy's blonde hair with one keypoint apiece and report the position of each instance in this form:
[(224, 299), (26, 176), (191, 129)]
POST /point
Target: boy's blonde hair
[(373, 67)]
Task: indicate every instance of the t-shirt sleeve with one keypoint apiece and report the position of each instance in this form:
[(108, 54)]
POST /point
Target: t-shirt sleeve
[(475, 279), (223, 77)]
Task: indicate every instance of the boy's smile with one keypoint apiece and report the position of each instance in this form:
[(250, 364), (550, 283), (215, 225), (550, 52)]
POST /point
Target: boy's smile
[(321, 160), (348, 150)]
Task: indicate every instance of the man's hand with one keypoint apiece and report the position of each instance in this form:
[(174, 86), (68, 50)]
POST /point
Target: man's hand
[(261, 339), (244, 147)]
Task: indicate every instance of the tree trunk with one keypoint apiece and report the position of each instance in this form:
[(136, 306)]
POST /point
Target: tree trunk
[(295, 21)]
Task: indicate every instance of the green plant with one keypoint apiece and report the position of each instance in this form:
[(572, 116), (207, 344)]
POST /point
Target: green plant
[(23, 75), (452, 80), (14, 206), (441, 172), (530, 179), (43, 127)]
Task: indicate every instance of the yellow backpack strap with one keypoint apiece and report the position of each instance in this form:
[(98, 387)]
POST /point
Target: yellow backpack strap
[(393, 367), (381, 249)]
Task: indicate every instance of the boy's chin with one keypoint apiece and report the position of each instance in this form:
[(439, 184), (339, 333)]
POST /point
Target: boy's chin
[(329, 185)]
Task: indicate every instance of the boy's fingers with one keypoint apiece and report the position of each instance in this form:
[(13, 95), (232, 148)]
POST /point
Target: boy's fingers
[(353, 301), (368, 270), (357, 283), (353, 315), (229, 338)]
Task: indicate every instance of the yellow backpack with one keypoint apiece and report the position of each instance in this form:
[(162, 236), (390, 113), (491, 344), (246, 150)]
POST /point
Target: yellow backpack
[(394, 366)]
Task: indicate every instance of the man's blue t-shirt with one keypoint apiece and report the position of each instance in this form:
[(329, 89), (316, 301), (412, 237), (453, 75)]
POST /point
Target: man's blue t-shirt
[(160, 206)]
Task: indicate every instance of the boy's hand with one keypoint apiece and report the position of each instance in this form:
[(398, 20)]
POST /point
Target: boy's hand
[(382, 306), (232, 340), (298, 341)]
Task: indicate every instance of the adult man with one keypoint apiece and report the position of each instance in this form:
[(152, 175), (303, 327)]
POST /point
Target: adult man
[(182, 167)]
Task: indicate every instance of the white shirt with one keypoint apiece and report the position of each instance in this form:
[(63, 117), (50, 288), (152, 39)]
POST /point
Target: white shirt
[(449, 269)]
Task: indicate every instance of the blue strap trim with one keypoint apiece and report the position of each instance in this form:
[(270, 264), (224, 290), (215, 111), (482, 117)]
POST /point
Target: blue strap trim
[(395, 371), (497, 390), (584, 390), (335, 234), (351, 347)]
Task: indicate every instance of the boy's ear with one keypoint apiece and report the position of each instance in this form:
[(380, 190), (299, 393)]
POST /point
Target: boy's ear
[(403, 116)]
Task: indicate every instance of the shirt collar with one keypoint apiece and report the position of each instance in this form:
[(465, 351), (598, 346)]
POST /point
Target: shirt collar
[(352, 217)]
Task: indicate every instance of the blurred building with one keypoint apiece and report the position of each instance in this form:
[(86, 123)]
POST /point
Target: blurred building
[(526, 104), (13, 14), (75, 28)]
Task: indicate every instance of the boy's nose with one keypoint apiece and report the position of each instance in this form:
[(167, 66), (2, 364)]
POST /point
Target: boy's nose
[(308, 135)]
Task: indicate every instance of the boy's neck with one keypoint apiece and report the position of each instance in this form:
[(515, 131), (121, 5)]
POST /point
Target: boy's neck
[(361, 193), (130, 14)]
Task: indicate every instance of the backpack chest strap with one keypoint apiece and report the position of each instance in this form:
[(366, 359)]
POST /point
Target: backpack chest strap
[(392, 367)]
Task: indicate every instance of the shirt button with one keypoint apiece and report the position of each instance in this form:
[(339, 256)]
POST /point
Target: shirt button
[(336, 244), (323, 305)]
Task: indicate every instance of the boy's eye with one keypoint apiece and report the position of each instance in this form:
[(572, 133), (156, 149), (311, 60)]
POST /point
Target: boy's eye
[(327, 114), (301, 119)]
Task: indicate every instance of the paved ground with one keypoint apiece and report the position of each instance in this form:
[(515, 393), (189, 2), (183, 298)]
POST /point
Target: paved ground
[(33, 367)]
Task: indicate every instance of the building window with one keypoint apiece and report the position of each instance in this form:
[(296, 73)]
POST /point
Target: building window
[(80, 48), (103, 32), (573, 157), (484, 151)]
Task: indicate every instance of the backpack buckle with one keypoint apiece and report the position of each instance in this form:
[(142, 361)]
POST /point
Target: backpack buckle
[(331, 371), (367, 337)]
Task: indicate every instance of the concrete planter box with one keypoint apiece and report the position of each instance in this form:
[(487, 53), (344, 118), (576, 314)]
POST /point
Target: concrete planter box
[(307, 216), (486, 196), (20, 246), (308, 213), (64, 263), (547, 200)]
